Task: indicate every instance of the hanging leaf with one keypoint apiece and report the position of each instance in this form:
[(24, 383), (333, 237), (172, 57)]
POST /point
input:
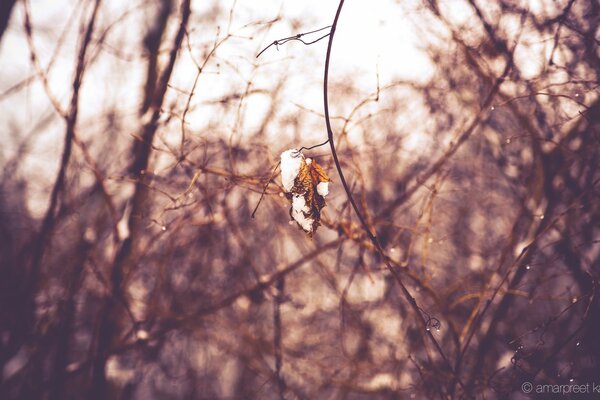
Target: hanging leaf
[(306, 185)]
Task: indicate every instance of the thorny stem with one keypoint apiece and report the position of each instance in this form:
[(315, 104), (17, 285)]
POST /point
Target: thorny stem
[(372, 236)]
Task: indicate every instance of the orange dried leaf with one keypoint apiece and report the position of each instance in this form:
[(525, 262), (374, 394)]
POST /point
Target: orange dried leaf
[(310, 175), (317, 173)]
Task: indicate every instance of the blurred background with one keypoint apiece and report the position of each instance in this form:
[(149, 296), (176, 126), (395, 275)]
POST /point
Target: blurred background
[(137, 138)]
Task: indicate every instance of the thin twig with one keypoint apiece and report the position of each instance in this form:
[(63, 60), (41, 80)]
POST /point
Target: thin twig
[(314, 147), (265, 188), (297, 38), (277, 301), (141, 151), (428, 322)]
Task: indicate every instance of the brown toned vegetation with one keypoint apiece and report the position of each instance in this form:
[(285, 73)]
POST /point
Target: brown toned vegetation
[(137, 142)]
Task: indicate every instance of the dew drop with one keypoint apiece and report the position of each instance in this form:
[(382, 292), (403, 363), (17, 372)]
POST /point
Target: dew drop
[(507, 141), (163, 228), (528, 267), (542, 216), (577, 344), (571, 380), (574, 300), (492, 108)]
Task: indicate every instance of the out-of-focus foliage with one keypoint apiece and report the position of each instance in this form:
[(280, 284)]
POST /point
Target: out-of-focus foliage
[(138, 137)]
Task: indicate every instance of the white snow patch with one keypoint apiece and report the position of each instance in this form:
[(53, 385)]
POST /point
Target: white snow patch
[(323, 188), (291, 160), (299, 203), (299, 207)]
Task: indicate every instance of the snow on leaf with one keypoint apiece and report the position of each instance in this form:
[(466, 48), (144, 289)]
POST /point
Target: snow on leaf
[(306, 185), (323, 188), (291, 160)]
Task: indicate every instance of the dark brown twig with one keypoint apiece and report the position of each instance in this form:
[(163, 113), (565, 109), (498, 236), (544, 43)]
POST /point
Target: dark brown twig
[(279, 299), (71, 120), (426, 322), (141, 151), (265, 188), (297, 38)]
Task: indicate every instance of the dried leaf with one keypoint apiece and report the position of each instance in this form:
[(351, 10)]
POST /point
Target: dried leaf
[(307, 197)]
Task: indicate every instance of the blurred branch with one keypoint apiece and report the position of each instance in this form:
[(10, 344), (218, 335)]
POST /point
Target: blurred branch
[(264, 283), (152, 42), (425, 320), (42, 74), (277, 301), (71, 120), (155, 93), (452, 148)]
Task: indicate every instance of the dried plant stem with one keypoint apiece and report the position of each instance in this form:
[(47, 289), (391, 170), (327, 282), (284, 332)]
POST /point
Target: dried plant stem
[(426, 323), (265, 188)]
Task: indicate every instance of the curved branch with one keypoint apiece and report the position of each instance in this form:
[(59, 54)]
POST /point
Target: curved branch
[(426, 320)]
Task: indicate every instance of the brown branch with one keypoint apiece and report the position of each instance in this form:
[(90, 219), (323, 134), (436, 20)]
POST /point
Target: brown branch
[(199, 70), (71, 119), (453, 148), (259, 287), (425, 321), (277, 301), (100, 179), (298, 38), (108, 325), (39, 70)]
